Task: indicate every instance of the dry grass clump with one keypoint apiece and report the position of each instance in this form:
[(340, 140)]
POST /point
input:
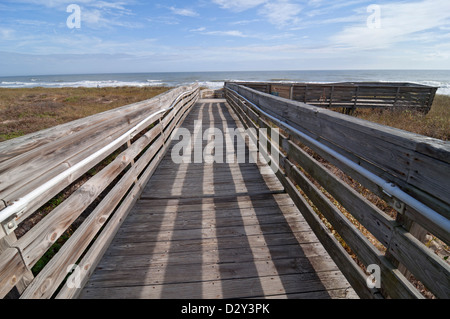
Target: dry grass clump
[(435, 124), (24, 111)]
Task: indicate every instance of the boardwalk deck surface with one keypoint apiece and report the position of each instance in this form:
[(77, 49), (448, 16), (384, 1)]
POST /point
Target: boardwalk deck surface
[(215, 231)]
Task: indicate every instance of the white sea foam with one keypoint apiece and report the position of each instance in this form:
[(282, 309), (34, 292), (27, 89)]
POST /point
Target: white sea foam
[(215, 80), (212, 85), (86, 83)]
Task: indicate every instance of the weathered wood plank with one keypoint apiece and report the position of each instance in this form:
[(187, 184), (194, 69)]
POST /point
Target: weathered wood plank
[(16, 147), (169, 274), (422, 262), (96, 252), (12, 269), (397, 286), (279, 247), (429, 267), (64, 150), (186, 205), (238, 288), (372, 218), (43, 235), (392, 141), (350, 95), (213, 235), (50, 278), (205, 215)]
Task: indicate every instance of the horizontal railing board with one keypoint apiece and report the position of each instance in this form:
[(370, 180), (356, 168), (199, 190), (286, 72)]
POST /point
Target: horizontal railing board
[(54, 273), (19, 151), (406, 94), (359, 244), (366, 137), (12, 269), (94, 254), (48, 281), (435, 203), (343, 262), (36, 241), (45, 233), (423, 263), (49, 160), (73, 132), (14, 148), (42, 168), (353, 273)]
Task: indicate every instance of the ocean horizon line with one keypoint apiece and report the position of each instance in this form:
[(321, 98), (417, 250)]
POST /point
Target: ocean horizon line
[(219, 71), (216, 79)]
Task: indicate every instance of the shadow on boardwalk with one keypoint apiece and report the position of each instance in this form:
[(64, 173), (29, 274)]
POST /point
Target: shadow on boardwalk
[(215, 231)]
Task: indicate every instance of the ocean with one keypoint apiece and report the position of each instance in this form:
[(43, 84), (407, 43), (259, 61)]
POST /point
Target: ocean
[(215, 80)]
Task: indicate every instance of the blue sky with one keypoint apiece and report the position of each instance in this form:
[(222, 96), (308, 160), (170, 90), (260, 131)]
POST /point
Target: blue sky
[(222, 35)]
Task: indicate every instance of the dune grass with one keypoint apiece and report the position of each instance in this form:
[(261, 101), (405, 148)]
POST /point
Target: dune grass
[(24, 111), (435, 124)]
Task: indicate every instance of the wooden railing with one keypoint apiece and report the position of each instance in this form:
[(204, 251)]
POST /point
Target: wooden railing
[(127, 142), (408, 172), (351, 96)]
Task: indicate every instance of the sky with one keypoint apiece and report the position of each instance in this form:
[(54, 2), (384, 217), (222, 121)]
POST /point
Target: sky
[(115, 36)]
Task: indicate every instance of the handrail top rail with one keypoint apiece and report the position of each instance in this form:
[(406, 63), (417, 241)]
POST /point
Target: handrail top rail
[(340, 84), (9, 214), (387, 186), (422, 141)]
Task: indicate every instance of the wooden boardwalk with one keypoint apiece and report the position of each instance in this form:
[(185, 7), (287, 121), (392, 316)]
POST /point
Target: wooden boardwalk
[(215, 231)]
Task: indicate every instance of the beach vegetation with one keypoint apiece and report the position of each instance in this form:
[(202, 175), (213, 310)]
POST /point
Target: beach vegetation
[(28, 110)]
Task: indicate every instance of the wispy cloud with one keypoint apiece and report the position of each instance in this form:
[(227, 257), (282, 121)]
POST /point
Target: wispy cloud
[(276, 12), (240, 34), (183, 12), (400, 21), (239, 5), (279, 33), (245, 22), (229, 33), (281, 12), (6, 33)]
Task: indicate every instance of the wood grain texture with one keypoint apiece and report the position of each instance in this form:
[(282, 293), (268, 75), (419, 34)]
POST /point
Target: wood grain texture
[(215, 231), (400, 243), (352, 95), (417, 164)]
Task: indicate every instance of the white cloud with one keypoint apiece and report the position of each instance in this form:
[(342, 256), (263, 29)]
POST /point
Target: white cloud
[(276, 12), (6, 34), (328, 7), (97, 18), (56, 3), (110, 5), (239, 5), (198, 29), (229, 33), (245, 22), (281, 12), (400, 22), (184, 12)]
